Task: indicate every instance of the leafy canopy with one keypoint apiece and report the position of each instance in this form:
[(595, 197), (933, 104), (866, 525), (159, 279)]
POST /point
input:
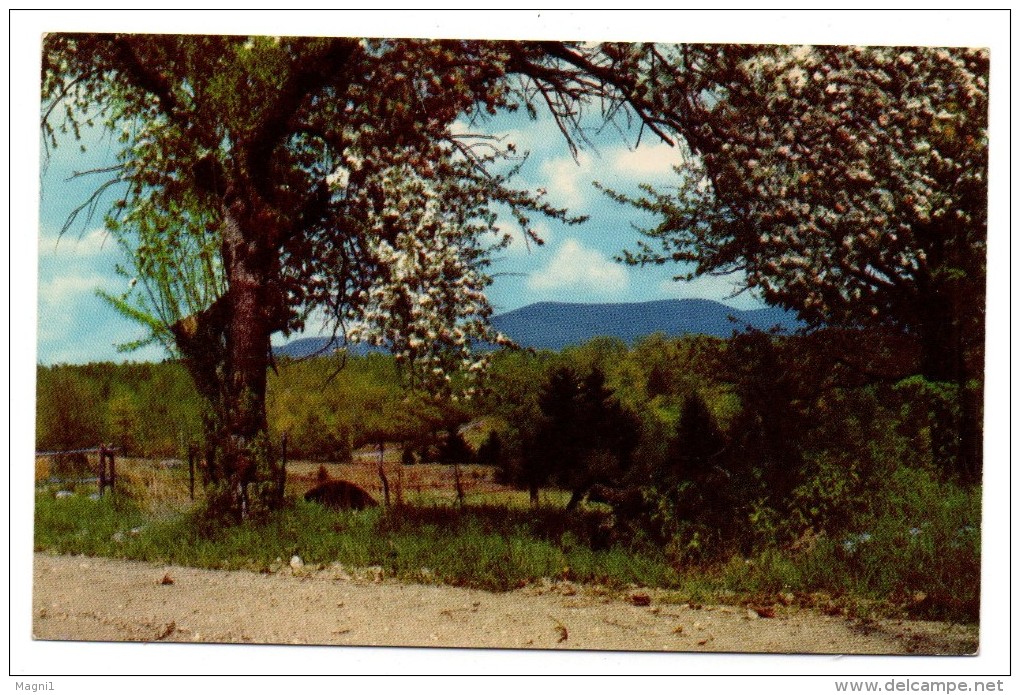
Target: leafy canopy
[(846, 183), (353, 161)]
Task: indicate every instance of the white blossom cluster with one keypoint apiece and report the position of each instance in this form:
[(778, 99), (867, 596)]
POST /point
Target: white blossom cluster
[(869, 151), (426, 301), (844, 170)]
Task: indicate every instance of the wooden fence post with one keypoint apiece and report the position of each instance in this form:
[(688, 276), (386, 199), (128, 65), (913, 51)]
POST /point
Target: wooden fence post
[(283, 465), (191, 471), (106, 456), (113, 471), (381, 470), (102, 469)]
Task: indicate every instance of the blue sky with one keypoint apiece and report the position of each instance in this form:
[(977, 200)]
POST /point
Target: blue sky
[(575, 264)]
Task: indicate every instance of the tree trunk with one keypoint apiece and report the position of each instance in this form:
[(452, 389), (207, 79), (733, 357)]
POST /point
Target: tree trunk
[(945, 335), (227, 352), (575, 498)]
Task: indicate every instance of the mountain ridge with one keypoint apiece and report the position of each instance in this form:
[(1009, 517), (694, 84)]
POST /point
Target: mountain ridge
[(551, 325)]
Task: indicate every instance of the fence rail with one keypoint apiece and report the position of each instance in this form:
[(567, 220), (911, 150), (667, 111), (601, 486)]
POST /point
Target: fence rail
[(107, 465), (93, 450)]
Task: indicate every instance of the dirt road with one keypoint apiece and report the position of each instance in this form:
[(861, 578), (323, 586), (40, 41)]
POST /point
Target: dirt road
[(82, 598)]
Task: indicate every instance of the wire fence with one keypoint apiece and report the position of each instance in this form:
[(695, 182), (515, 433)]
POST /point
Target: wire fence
[(107, 468), (93, 450)]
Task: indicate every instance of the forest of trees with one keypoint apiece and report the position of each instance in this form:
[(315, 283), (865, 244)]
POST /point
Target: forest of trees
[(702, 443)]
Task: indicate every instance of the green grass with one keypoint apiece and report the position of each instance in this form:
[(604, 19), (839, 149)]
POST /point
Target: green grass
[(488, 547), (78, 524), (926, 569)]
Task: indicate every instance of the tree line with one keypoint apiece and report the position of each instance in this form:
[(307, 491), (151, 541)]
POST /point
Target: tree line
[(696, 441)]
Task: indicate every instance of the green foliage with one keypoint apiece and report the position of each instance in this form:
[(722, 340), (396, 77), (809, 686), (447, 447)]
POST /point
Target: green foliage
[(930, 414), (585, 437), (868, 512), (144, 408), (67, 410), (914, 541)]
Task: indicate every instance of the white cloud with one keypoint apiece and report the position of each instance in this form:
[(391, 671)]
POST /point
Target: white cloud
[(67, 307), (569, 181), (73, 324), (90, 244), (577, 268), (647, 162), (62, 290)]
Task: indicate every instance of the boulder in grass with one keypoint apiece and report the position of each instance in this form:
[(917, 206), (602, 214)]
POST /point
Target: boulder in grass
[(340, 494)]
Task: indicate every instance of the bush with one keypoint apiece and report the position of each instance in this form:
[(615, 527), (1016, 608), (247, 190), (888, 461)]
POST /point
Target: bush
[(454, 448), (73, 466)]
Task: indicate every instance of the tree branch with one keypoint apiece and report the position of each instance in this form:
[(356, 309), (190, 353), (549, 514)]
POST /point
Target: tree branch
[(314, 73), (150, 79)]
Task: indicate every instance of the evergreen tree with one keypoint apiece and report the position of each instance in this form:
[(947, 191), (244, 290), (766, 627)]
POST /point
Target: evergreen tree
[(697, 445), (491, 452), (586, 437), (454, 449)]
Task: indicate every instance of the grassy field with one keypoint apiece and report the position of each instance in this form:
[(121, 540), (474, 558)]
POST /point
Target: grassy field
[(422, 484), (494, 541)]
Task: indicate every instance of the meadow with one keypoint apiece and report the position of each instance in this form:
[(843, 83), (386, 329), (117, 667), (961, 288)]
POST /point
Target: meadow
[(762, 468), (495, 540)]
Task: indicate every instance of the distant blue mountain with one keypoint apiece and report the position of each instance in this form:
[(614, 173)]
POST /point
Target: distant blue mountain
[(552, 325), (555, 325), (308, 347)]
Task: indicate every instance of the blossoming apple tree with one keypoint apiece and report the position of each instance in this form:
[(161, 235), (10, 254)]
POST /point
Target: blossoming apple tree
[(262, 179), (846, 183)]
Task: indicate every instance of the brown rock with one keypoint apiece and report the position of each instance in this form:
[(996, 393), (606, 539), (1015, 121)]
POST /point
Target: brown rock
[(641, 599), (341, 494)]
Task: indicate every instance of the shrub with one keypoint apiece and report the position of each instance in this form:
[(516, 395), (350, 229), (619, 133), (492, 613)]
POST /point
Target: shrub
[(454, 448), (491, 452)]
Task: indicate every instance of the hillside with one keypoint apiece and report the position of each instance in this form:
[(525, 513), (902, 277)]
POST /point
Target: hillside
[(555, 325)]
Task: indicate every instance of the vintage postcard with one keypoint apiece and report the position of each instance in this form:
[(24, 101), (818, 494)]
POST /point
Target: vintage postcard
[(511, 344)]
